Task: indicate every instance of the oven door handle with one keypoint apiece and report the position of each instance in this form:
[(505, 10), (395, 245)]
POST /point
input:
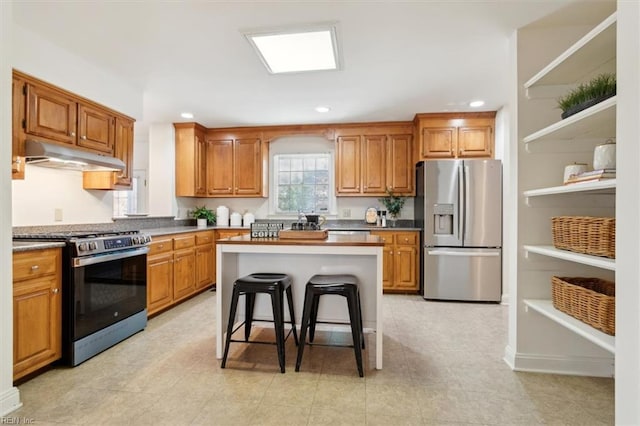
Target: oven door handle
[(91, 260)]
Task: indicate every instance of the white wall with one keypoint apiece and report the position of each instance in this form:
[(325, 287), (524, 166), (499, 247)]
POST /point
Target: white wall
[(161, 173), (9, 396), (42, 191)]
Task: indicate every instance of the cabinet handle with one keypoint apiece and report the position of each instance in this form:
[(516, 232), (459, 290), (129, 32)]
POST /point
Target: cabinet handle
[(35, 268), (161, 246), (72, 134), (83, 137), (54, 291)]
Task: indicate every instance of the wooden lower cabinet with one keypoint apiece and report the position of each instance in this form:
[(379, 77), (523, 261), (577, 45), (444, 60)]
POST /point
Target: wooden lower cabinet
[(37, 302), (400, 262), (174, 266)]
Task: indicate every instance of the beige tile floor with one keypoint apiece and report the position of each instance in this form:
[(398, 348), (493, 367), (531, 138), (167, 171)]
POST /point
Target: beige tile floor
[(442, 365)]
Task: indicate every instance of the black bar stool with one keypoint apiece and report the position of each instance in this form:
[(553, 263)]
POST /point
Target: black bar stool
[(274, 285), (342, 285)]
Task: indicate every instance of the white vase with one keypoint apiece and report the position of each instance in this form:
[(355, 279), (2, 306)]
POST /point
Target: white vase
[(604, 156), (201, 223)]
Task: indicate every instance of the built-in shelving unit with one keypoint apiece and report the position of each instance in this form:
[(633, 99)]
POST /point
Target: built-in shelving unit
[(545, 307), (585, 259), (592, 54), (606, 186)]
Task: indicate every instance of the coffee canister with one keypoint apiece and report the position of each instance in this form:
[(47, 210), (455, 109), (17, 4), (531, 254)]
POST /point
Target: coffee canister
[(236, 219), (222, 216), (604, 156), (573, 169)]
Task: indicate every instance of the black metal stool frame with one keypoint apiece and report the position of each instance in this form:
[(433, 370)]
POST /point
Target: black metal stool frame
[(349, 290), (249, 286)]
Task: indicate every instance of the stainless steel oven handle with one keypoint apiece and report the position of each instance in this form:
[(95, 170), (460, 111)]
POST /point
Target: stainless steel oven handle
[(91, 260)]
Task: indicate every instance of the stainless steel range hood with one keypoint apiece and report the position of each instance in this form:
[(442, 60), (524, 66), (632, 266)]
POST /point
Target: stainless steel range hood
[(61, 157)]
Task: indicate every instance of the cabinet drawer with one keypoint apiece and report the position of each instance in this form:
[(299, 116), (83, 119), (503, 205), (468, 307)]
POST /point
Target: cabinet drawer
[(386, 236), (184, 241), (204, 238), (230, 233), (160, 245), (37, 263), (406, 238)]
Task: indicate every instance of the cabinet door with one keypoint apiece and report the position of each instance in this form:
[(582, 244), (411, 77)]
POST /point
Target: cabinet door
[(50, 115), (374, 156), (200, 164), (184, 277), (405, 268), (96, 129), (205, 268), (220, 167), (123, 149), (159, 282), (387, 258), (247, 167), (36, 324), (475, 141), (439, 142), (400, 164), (17, 118), (348, 158)]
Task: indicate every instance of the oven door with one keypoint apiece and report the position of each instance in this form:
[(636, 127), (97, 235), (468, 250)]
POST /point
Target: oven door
[(107, 288)]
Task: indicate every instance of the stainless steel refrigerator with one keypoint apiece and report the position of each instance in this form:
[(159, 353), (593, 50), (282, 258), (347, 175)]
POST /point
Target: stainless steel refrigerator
[(459, 208)]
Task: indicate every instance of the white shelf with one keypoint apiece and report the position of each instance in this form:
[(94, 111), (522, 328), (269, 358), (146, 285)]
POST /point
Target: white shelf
[(545, 307), (596, 122), (605, 186), (585, 259), (590, 52)]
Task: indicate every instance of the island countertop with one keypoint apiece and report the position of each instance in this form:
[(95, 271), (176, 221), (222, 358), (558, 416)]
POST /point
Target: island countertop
[(331, 240)]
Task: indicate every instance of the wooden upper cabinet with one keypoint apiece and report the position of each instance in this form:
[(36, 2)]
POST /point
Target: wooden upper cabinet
[(348, 160), (455, 135), (50, 114), (438, 142), (47, 113), (400, 164), (96, 129), (236, 166), (374, 164), (475, 141), (191, 160), (220, 167), (247, 167), (123, 149), (375, 158)]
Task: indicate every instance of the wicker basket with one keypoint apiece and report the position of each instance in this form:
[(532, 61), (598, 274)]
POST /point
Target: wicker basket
[(585, 234), (591, 300)]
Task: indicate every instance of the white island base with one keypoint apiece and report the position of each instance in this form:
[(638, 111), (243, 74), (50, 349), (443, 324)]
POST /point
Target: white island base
[(357, 255)]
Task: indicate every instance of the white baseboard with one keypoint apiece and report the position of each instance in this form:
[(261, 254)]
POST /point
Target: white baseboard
[(9, 401), (573, 366)]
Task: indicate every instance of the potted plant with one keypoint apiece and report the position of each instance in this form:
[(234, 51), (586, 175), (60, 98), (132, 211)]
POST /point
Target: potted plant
[(588, 94), (393, 203), (203, 215)]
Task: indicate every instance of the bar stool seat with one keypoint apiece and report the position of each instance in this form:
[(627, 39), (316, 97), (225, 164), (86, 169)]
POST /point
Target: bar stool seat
[(275, 285), (339, 284)]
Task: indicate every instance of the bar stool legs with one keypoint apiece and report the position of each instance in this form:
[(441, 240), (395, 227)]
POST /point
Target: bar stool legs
[(343, 285), (275, 285)]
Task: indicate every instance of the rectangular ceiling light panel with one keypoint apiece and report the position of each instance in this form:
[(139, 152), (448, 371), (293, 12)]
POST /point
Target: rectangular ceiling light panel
[(297, 51)]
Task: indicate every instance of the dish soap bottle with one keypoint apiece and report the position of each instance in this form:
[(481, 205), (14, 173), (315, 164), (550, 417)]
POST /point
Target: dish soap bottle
[(384, 218)]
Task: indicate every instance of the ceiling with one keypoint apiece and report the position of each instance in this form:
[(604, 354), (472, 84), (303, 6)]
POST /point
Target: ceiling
[(399, 57)]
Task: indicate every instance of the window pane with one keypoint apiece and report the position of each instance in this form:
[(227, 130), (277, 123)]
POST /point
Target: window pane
[(303, 183)]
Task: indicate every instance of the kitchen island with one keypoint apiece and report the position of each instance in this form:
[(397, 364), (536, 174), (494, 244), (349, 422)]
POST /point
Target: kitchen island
[(360, 255)]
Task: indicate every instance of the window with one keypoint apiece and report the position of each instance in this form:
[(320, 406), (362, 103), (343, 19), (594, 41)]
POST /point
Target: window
[(302, 183)]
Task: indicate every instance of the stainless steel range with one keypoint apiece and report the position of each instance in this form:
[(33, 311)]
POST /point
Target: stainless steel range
[(104, 289)]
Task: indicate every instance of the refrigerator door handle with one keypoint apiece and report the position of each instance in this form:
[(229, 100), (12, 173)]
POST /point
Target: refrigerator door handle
[(462, 254), (467, 204), (461, 206)]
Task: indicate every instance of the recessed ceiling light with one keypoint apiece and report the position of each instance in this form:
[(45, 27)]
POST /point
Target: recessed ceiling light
[(186, 115), (323, 109), (476, 104), (314, 48)]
